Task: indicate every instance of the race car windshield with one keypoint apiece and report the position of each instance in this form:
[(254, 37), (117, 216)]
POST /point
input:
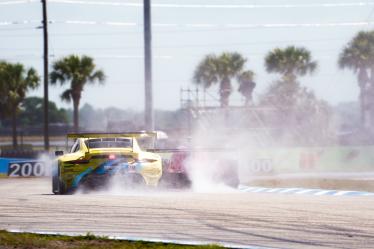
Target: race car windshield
[(109, 143)]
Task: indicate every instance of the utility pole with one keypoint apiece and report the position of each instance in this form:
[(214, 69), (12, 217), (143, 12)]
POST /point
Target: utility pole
[(45, 43), (149, 114)]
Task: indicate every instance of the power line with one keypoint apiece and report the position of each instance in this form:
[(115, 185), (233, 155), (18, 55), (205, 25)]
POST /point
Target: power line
[(191, 45), (217, 6), (15, 2), (17, 29), (195, 6), (55, 55), (204, 26), (100, 56), (127, 24), (22, 22)]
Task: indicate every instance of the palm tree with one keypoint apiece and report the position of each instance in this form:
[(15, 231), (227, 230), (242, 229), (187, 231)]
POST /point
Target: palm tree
[(3, 88), (15, 81), (358, 56), (77, 71), (219, 69), (246, 85), (290, 62)]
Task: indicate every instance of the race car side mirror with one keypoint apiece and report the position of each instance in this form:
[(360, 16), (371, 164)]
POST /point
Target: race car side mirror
[(59, 153)]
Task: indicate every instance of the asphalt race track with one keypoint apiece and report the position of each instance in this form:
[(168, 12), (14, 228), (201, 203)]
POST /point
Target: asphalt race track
[(245, 219)]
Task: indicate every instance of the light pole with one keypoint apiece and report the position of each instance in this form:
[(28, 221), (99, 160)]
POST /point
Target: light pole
[(149, 114), (45, 106)]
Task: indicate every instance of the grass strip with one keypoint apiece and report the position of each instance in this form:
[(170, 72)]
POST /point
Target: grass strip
[(10, 240), (319, 183)]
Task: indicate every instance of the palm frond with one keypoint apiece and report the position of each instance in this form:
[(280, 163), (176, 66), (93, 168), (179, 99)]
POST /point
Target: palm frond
[(246, 83), (290, 61), (15, 81), (76, 71), (206, 72), (66, 95), (98, 75), (359, 52), (32, 78)]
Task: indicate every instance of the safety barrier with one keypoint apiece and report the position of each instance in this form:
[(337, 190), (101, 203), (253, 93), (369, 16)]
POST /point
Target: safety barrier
[(302, 160), (267, 161), (21, 153), (21, 167)]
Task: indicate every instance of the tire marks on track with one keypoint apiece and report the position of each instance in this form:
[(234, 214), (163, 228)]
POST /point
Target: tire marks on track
[(304, 191)]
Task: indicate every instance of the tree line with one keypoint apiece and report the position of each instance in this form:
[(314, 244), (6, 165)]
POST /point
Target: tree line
[(16, 80), (290, 63)]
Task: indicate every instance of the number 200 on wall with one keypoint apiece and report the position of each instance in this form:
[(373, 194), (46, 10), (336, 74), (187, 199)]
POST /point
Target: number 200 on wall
[(26, 169)]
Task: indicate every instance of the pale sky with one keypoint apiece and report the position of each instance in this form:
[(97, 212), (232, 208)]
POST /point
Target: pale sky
[(183, 32)]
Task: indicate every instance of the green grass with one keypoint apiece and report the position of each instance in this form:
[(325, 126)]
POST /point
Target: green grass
[(33, 241), (322, 183)]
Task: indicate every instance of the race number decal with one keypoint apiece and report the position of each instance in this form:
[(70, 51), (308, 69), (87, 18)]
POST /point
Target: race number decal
[(261, 165), (26, 169)]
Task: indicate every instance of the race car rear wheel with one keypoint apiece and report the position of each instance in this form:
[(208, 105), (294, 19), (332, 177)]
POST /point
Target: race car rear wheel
[(232, 180), (175, 180), (58, 186), (230, 173)]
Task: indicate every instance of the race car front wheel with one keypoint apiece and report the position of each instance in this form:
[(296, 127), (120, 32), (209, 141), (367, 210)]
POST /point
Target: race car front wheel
[(58, 187)]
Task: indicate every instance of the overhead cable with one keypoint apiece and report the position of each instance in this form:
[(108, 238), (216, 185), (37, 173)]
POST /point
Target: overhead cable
[(195, 6), (198, 25), (217, 6)]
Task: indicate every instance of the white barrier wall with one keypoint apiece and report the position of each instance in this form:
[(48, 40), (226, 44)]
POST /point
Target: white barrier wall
[(303, 160), (17, 167)]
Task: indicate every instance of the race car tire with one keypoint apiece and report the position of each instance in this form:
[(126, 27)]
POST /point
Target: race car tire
[(58, 186), (134, 181), (230, 176), (232, 180), (175, 180)]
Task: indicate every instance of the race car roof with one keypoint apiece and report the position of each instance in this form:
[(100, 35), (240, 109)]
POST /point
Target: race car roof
[(136, 134)]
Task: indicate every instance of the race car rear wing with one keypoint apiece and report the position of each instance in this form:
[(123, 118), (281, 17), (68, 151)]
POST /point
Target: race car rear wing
[(137, 134), (156, 150)]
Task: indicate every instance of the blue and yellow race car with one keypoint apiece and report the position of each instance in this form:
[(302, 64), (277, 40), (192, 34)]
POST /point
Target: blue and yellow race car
[(95, 158)]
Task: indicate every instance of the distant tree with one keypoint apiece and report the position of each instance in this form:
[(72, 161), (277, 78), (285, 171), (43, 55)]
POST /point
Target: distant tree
[(219, 69), (76, 71), (301, 116), (15, 81), (290, 63), (3, 90), (246, 86), (358, 55), (91, 118), (31, 112)]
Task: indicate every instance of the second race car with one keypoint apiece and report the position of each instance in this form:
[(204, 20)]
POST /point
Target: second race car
[(180, 167)]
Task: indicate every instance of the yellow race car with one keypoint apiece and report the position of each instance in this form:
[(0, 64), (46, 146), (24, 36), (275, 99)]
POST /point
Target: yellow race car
[(95, 158)]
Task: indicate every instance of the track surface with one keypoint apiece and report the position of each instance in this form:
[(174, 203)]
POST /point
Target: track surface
[(249, 219)]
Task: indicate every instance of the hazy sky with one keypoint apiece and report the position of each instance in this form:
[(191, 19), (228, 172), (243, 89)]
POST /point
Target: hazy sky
[(184, 31)]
